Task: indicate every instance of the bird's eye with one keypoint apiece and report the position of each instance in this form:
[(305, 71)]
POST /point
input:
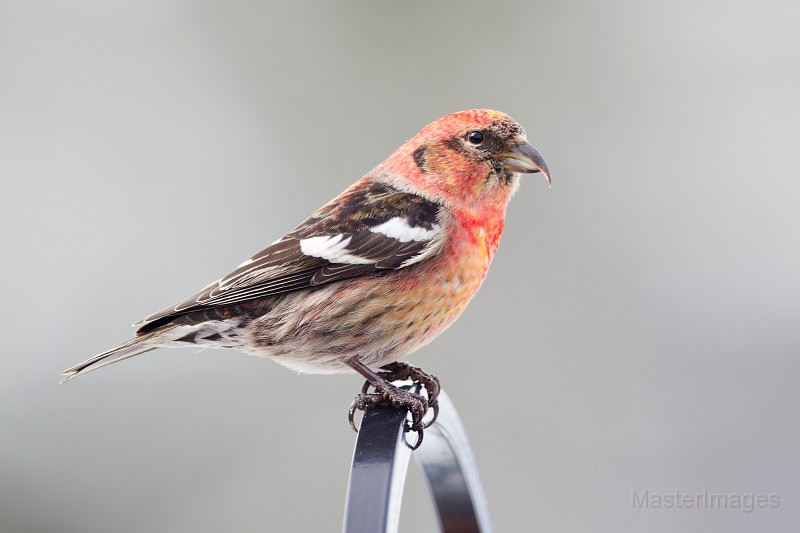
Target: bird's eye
[(475, 137)]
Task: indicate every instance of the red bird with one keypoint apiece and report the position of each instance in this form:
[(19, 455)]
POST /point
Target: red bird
[(373, 275)]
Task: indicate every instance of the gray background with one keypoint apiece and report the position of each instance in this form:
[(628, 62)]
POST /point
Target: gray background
[(638, 330)]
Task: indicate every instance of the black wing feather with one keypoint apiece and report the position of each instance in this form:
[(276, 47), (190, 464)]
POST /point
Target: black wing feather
[(283, 267)]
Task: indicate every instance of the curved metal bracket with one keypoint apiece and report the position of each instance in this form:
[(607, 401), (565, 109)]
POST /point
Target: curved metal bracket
[(380, 463)]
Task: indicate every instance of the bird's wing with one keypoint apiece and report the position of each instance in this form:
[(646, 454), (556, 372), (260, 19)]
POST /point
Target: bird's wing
[(371, 228)]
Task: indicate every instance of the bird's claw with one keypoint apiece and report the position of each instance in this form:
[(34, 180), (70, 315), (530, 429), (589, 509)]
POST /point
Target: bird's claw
[(416, 404), (428, 424), (400, 371), (387, 394), (420, 431), (432, 404)]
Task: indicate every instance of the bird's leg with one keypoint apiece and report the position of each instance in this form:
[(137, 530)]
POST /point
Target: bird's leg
[(387, 394)]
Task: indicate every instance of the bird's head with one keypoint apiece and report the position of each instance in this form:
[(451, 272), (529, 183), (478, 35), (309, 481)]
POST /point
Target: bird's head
[(469, 158)]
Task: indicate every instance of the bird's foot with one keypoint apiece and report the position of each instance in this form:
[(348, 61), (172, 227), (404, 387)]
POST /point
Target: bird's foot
[(400, 371), (387, 394)]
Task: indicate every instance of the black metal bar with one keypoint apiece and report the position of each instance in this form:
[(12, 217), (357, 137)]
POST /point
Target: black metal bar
[(380, 462), (378, 473)]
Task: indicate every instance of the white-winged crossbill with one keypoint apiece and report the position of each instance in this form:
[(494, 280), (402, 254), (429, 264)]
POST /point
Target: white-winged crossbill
[(376, 273)]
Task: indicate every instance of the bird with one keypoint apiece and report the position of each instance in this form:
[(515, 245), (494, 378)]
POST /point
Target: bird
[(373, 275)]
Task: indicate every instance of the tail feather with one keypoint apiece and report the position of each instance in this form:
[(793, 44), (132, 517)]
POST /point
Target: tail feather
[(135, 346)]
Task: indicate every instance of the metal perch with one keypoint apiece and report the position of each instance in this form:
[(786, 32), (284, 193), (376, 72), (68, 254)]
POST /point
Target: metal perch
[(380, 462)]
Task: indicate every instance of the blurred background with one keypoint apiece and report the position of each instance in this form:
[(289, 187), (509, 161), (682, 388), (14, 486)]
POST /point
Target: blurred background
[(638, 331)]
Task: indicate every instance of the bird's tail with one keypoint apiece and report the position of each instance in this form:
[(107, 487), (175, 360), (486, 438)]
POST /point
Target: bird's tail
[(135, 346)]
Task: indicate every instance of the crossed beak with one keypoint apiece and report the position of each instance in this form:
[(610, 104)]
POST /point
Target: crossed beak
[(523, 157)]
